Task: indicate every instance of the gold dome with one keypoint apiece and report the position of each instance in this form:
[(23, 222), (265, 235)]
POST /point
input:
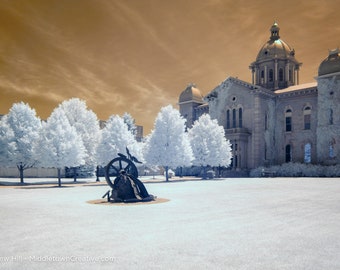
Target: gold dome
[(191, 93), (331, 64), (275, 47)]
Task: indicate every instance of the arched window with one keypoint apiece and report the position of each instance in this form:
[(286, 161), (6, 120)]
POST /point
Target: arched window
[(234, 118), (307, 117), (281, 74), (308, 153), (240, 117), (271, 75), (288, 153), (331, 116), (288, 116), (228, 119), (331, 149)]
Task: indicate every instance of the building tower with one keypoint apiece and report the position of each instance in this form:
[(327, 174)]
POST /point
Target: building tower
[(275, 66), (328, 128), (190, 99)]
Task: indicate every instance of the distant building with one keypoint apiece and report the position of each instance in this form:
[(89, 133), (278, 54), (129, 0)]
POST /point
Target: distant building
[(139, 133), (273, 120)]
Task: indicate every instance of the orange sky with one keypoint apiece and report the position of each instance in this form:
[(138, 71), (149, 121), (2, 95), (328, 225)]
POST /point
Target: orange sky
[(138, 55)]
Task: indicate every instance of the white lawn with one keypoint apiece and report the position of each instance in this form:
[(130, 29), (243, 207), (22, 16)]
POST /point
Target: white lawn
[(269, 223)]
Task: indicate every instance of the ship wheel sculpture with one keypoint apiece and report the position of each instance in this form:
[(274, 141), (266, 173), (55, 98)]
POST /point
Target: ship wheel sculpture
[(121, 174), (117, 165)]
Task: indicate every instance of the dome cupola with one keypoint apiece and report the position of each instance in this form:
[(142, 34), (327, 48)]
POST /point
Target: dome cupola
[(331, 64), (275, 29), (191, 94), (275, 66)]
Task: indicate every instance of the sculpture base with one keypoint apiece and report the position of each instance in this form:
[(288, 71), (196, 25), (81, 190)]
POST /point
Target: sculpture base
[(105, 202)]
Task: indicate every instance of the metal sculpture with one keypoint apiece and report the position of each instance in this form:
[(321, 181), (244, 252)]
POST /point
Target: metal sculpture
[(121, 174)]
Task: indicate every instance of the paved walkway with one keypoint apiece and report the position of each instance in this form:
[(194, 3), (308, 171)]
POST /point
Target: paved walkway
[(257, 224), (7, 182)]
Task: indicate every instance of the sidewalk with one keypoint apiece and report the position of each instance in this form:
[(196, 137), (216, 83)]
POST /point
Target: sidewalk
[(234, 224), (10, 182)]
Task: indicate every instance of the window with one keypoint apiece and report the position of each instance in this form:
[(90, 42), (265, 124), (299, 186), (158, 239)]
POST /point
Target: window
[(288, 120), (271, 75), (228, 119), (240, 117), (234, 118), (288, 153), (308, 153), (290, 75), (281, 75), (331, 116), (331, 149), (235, 165), (307, 117), (266, 121)]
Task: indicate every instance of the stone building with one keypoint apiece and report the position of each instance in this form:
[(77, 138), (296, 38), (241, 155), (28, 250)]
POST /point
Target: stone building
[(273, 119)]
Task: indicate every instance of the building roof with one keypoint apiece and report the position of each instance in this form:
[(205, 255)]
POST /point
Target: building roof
[(275, 47), (331, 64), (191, 93), (298, 87)]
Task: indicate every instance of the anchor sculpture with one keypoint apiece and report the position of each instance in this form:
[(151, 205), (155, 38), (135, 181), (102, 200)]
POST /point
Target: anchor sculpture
[(126, 187)]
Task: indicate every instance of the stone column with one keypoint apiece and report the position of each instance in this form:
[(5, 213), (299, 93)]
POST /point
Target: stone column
[(276, 84), (287, 74), (257, 133), (253, 75)]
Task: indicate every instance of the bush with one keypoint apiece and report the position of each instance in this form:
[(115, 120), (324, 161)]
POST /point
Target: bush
[(297, 170)]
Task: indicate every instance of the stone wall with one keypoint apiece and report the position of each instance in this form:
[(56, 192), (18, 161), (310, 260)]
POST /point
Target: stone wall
[(31, 173)]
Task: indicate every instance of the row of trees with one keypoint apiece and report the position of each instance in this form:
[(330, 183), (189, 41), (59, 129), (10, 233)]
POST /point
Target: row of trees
[(72, 137)]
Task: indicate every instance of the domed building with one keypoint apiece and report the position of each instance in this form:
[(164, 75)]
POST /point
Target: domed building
[(275, 66), (191, 104), (331, 64), (273, 119)]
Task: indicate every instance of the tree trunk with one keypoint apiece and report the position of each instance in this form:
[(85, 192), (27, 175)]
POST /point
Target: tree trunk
[(166, 173), (97, 174), (21, 172), (59, 178), (74, 174), (205, 172)]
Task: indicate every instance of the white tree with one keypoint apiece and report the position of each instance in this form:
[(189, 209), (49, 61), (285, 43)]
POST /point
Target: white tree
[(130, 122), (208, 142), (7, 144), (115, 138), (60, 145), (168, 144), (86, 123), (20, 129)]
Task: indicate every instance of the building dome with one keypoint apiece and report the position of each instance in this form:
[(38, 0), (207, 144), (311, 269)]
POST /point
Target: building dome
[(275, 47), (276, 66), (191, 93), (331, 64)]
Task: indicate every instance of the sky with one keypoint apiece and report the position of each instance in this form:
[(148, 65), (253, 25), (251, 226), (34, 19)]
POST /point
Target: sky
[(137, 56)]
